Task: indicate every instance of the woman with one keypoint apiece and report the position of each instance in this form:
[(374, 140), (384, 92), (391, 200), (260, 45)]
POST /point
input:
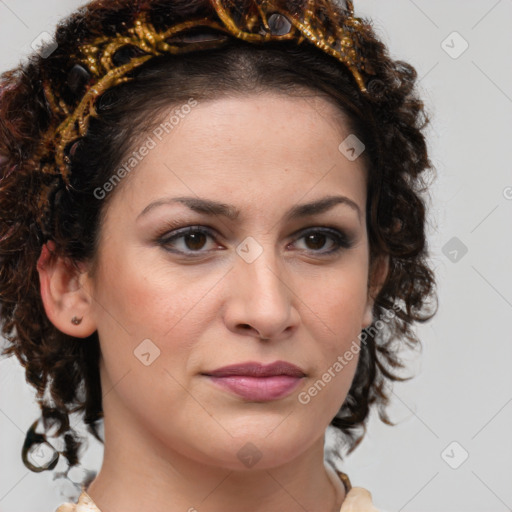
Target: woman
[(213, 239)]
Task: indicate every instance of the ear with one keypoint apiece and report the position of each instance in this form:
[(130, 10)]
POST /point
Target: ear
[(63, 293), (377, 277)]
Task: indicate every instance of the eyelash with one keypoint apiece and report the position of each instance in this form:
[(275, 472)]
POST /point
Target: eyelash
[(340, 239)]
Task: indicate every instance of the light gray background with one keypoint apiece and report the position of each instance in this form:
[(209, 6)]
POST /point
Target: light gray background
[(462, 391)]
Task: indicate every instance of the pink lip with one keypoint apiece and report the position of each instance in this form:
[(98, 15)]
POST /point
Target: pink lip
[(254, 381), (262, 389), (255, 369)]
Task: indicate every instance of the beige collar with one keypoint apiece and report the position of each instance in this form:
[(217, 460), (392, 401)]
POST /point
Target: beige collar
[(357, 499)]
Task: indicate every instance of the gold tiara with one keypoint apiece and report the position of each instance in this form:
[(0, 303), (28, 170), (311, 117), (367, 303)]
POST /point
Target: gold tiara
[(334, 30)]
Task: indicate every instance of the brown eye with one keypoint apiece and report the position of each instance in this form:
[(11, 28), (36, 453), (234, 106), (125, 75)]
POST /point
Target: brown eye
[(189, 241), (195, 241), (316, 240)]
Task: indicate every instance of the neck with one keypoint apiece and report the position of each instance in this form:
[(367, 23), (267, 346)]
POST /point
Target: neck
[(140, 472)]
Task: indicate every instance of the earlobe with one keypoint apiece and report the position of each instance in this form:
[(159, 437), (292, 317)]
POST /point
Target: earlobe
[(378, 276), (368, 314), (67, 303)]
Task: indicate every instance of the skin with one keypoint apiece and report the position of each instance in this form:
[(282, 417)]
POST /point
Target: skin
[(171, 436)]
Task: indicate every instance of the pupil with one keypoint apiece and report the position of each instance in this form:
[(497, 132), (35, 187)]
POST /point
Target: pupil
[(195, 237), (317, 236)]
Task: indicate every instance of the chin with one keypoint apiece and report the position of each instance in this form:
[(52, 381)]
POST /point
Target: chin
[(251, 452)]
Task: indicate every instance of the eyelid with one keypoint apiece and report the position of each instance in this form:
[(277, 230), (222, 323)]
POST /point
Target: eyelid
[(166, 237)]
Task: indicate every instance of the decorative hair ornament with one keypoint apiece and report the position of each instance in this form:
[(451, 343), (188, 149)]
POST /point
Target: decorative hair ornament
[(338, 35)]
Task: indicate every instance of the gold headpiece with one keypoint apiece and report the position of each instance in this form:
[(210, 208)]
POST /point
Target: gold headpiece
[(262, 22)]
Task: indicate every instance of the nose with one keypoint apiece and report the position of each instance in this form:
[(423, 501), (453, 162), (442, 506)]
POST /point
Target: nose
[(261, 302)]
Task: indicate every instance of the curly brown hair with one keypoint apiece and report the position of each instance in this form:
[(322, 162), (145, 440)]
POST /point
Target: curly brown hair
[(389, 119)]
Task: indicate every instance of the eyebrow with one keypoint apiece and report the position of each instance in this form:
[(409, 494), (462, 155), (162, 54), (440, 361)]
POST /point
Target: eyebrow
[(209, 207)]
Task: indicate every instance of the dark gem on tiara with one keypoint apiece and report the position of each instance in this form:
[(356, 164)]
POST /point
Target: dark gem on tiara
[(125, 54), (73, 149), (107, 100), (197, 37), (77, 78), (70, 150), (279, 24)]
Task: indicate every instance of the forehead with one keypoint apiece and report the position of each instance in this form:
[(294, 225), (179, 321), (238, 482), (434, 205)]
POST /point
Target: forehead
[(248, 148)]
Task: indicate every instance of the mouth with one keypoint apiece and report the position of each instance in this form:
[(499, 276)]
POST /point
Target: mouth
[(259, 389), (257, 382), (255, 369)]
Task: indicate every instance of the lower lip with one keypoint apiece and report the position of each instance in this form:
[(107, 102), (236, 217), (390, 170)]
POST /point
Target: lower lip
[(262, 389)]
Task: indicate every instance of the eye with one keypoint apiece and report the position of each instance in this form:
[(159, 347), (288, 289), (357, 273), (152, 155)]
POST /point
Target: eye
[(316, 238), (193, 241), (188, 240)]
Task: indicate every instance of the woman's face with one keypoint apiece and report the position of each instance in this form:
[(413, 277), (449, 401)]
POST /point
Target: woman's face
[(171, 307)]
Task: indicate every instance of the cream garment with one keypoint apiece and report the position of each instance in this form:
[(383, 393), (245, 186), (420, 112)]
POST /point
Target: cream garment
[(357, 499)]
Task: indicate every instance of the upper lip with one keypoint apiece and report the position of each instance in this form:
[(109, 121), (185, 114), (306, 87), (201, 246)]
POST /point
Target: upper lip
[(255, 369)]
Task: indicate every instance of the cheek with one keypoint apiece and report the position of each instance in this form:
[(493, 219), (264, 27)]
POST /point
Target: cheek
[(338, 297), (342, 315), (136, 296), (340, 307), (144, 300), (335, 308)]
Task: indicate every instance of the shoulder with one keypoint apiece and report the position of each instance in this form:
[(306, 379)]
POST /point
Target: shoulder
[(66, 507), (357, 499), (84, 504)]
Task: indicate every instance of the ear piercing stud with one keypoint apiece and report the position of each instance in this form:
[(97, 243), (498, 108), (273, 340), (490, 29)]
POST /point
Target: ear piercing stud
[(76, 321)]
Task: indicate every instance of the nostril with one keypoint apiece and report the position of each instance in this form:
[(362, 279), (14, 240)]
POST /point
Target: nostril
[(245, 327)]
